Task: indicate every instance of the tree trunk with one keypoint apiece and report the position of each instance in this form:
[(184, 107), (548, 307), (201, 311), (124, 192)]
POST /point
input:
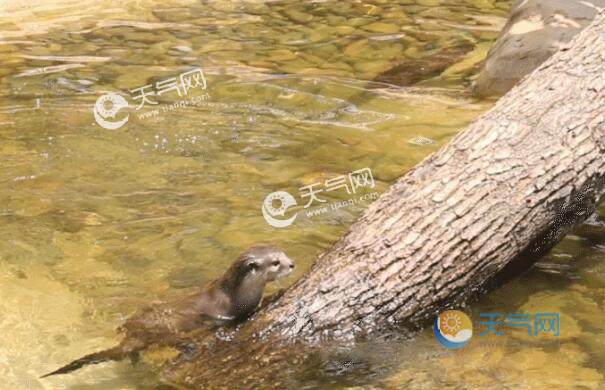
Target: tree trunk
[(510, 185)]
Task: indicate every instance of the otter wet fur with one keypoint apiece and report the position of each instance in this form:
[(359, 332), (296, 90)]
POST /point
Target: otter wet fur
[(230, 298)]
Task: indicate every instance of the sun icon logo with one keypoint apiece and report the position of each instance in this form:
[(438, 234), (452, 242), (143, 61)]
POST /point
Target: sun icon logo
[(451, 322), (453, 329)]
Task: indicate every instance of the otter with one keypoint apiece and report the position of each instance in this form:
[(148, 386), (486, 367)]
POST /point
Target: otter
[(231, 298)]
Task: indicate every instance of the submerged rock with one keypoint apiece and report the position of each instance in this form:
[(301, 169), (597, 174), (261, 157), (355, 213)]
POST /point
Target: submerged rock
[(410, 72), (535, 30)]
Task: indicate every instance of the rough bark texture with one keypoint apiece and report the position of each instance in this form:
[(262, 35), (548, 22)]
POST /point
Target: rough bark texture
[(513, 183)]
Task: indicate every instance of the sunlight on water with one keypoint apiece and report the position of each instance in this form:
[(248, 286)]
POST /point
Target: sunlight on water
[(96, 222)]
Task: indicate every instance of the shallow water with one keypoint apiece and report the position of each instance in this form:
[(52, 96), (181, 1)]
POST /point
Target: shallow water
[(96, 222)]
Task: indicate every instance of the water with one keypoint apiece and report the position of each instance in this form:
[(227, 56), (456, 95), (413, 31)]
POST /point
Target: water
[(94, 223)]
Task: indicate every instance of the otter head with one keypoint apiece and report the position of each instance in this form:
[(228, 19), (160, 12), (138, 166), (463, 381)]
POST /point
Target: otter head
[(245, 281), (267, 263)]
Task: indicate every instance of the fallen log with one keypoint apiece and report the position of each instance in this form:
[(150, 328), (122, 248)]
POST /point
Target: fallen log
[(501, 192)]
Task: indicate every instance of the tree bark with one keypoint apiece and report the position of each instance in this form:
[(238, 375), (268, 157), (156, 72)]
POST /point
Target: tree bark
[(510, 185)]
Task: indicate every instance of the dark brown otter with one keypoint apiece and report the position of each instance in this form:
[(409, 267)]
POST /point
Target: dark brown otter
[(231, 298)]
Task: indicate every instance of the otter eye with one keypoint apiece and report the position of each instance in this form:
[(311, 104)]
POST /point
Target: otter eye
[(275, 263)]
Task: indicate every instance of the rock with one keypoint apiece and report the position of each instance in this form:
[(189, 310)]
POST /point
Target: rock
[(379, 27), (428, 3), (183, 48), (411, 71), (374, 67), (43, 309), (281, 55), (355, 48), (298, 16), (573, 353), (551, 302), (220, 45), (534, 31), (469, 62), (344, 30), (551, 369)]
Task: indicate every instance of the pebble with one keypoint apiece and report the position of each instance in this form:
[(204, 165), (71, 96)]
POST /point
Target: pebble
[(378, 66), (379, 27), (344, 30), (355, 48), (298, 16), (281, 55)]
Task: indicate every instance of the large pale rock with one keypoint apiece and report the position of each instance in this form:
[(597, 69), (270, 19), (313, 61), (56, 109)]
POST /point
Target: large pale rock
[(534, 31)]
